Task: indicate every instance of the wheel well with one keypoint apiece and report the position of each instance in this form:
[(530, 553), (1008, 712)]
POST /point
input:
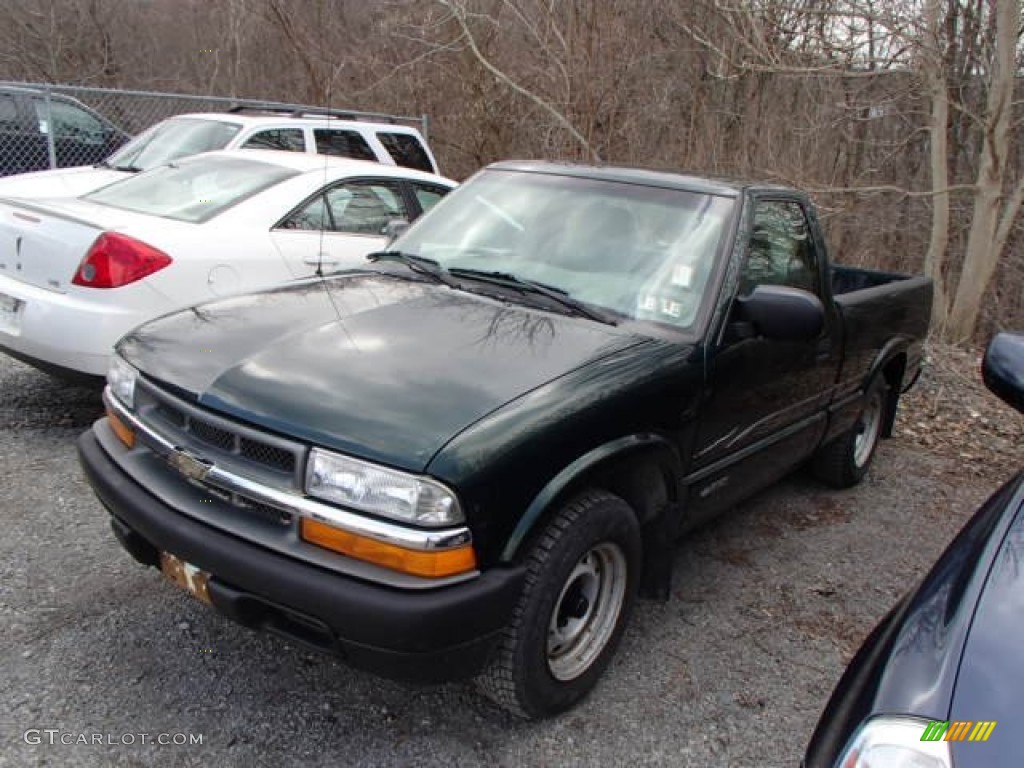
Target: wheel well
[(893, 372), (640, 479)]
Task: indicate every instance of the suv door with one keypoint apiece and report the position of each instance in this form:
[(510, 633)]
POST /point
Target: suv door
[(340, 224), (766, 399), (79, 137), (22, 143)]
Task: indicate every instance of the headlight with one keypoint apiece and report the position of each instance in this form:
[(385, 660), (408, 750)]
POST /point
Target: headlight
[(894, 742), (367, 487), (121, 379)]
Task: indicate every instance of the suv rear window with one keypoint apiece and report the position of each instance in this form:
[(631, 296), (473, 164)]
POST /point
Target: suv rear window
[(407, 151), (334, 141), (194, 189), (171, 139)]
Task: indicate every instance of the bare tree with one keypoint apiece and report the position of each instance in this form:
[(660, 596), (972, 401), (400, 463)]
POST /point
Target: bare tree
[(995, 210)]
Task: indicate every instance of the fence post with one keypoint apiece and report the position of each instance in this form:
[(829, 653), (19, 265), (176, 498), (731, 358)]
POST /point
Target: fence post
[(425, 120), (50, 148)]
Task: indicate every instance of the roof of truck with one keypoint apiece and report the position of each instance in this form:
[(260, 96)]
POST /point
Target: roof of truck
[(644, 176)]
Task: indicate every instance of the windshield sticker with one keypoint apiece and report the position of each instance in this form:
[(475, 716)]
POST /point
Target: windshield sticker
[(682, 275), (661, 305)]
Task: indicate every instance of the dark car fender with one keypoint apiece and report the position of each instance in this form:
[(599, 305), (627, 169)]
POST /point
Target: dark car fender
[(659, 524)]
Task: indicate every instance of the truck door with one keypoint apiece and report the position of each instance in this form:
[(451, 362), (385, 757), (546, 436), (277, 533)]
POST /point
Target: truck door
[(766, 399)]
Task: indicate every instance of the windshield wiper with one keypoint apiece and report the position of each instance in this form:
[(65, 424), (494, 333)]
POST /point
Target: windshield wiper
[(129, 168), (418, 264), (557, 295)]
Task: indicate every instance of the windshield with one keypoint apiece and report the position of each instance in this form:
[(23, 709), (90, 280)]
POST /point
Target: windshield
[(171, 139), (642, 252), (194, 189)]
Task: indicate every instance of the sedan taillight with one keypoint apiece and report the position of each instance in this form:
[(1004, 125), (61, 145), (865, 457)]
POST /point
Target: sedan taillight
[(115, 260)]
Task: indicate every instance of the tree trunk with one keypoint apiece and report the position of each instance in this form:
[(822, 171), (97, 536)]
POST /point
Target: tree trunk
[(938, 243), (981, 255)]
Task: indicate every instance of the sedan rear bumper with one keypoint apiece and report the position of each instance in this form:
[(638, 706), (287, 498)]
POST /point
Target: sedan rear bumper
[(425, 635), (64, 332)]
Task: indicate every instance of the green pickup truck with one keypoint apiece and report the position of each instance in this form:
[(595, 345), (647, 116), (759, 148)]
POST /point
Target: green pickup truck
[(467, 458)]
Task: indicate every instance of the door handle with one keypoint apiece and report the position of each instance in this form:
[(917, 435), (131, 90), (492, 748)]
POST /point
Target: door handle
[(324, 259)]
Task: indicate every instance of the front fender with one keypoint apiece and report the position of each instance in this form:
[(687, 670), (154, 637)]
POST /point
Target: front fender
[(667, 457)]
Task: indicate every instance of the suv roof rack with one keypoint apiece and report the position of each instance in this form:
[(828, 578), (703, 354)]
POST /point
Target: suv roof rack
[(300, 110)]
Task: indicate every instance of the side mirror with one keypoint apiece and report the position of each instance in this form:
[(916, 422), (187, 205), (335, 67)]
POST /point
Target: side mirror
[(394, 228), (782, 313), (1003, 368)]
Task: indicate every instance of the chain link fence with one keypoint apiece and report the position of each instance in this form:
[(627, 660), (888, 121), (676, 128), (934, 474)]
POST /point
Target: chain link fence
[(58, 126)]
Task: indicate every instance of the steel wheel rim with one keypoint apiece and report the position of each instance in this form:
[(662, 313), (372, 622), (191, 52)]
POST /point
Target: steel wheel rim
[(586, 611), (868, 429)]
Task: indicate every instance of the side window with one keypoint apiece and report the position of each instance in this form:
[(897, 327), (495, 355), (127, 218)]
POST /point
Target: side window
[(365, 207), (781, 251), (288, 139), (8, 112), (70, 122), (333, 141), (428, 195), (406, 150), (313, 216)]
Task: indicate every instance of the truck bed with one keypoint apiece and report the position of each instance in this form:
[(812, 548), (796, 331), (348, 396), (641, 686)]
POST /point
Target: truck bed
[(879, 309), (850, 279)]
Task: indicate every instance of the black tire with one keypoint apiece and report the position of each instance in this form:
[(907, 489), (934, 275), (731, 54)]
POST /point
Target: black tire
[(843, 462), (550, 656)]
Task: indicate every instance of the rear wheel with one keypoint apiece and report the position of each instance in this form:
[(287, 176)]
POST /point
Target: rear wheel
[(580, 585), (844, 461)]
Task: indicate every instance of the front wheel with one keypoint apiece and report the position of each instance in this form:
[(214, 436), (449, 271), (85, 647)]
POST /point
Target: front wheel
[(844, 461), (580, 585)]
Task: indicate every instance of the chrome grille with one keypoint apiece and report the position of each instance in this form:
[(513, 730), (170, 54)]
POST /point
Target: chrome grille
[(219, 439)]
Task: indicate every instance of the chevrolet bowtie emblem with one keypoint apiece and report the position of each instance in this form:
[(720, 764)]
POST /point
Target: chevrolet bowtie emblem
[(190, 465)]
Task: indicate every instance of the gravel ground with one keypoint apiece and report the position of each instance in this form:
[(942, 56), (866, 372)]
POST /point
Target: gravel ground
[(768, 605)]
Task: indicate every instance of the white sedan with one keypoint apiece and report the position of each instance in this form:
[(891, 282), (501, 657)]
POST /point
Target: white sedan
[(78, 273)]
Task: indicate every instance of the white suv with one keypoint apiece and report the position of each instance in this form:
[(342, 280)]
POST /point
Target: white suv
[(347, 134)]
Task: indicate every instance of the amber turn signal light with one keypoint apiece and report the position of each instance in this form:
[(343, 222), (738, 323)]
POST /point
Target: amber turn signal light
[(124, 433), (431, 564)]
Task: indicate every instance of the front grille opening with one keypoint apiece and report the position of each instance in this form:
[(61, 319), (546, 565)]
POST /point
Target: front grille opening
[(269, 455), (263, 511), (211, 435), (171, 415), (257, 509), (182, 425)]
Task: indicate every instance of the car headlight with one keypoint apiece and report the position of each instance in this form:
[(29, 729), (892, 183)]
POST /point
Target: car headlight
[(386, 492), (894, 742), (121, 379)]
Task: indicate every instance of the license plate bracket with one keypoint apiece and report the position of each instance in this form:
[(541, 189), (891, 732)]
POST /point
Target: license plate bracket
[(187, 576)]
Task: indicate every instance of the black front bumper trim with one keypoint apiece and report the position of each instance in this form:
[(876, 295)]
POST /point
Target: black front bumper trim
[(425, 635)]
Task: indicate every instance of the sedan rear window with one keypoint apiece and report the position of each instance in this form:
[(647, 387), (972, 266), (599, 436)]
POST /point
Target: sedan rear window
[(193, 189)]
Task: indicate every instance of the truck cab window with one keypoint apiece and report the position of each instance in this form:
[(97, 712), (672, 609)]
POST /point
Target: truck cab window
[(781, 251)]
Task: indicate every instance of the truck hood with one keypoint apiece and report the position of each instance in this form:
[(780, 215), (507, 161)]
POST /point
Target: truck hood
[(59, 182), (369, 364)]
